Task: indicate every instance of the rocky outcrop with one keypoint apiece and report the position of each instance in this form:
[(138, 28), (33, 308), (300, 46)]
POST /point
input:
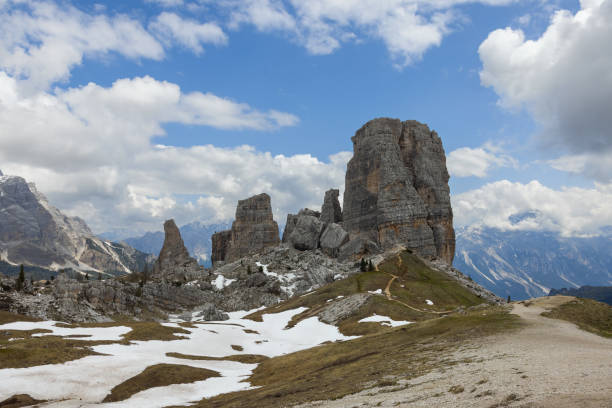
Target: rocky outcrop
[(174, 264), (396, 189), (33, 232), (253, 230), (332, 239), (306, 232), (331, 211)]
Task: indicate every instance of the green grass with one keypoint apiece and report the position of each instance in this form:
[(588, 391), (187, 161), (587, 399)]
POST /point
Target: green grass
[(415, 284), (334, 370), (589, 315), (159, 375)]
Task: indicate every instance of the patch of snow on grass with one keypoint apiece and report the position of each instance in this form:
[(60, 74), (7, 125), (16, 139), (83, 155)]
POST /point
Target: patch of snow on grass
[(286, 280), (429, 302), (94, 333), (375, 292), (85, 382), (384, 320)]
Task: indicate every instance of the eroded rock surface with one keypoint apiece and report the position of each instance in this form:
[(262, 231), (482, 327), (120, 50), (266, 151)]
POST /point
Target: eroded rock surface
[(174, 264), (253, 230), (396, 189), (331, 212)]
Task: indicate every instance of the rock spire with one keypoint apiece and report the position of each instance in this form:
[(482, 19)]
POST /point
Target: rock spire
[(174, 263)]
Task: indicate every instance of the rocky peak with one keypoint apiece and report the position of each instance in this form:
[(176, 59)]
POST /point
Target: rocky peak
[(396, 188), (253, 230), (33, 232), (174, 263), (331, 211)]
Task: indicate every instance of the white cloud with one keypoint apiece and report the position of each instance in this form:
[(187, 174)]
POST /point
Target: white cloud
[(408, 28), (40, 42), (90, 150), (189, 33), (477, 162), (571, 211), (562, 77)]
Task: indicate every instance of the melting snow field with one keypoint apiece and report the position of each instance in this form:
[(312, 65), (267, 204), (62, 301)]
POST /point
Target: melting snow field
[(384, 320), (85, 382)]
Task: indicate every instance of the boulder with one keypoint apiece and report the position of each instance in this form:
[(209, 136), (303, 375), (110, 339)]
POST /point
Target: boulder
[(331, 211), (211, 313), (306, 233), (333, 237), (396, 189)]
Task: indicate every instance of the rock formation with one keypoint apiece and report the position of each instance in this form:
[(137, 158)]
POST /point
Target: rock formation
[(310, 229), (396, 189), (35, 233), (174, 264), (253, 230), (331, 211)]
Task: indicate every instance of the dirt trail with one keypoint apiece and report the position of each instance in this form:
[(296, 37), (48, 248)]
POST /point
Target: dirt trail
[(390, 297), (547, 364)]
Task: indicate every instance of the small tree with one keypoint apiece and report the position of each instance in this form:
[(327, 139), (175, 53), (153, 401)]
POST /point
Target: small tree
[(363, 266), (260, 268), (370, 266), (509, 299), (31, 281), (21, 279), (99, 276), (52, 278), (86, 275)]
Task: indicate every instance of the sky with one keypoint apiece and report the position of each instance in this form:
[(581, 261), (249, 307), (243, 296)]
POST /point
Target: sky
[(127, 113)]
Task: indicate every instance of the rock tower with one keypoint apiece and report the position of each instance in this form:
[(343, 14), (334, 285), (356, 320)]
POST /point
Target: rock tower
[(396, 188), (253, 230)]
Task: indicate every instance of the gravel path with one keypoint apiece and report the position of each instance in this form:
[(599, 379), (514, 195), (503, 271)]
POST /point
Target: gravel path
[(549, 363)]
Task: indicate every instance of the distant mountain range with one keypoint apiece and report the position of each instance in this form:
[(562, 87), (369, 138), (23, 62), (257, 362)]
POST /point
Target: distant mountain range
[(38, 235), (526, 264), (196, 235), (599, 293)]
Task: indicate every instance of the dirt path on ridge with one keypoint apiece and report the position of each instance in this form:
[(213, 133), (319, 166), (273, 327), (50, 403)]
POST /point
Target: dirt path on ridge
[(548, 363)]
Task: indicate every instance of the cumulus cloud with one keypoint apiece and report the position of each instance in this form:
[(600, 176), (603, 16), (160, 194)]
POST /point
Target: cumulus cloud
[(40, 42), (562, 78), (408, 28), (477, 162), (89, 149), (570, 211), (189, 33)]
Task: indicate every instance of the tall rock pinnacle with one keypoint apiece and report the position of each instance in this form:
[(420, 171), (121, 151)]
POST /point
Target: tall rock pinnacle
[(253, 230), (174, 263), (396, 188)]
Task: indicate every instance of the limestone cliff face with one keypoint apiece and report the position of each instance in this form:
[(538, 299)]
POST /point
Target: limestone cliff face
[(174, 264), (396, 188), (253, 230)]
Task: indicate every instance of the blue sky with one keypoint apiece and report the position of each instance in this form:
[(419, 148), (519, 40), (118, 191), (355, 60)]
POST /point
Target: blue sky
[(127, 113)]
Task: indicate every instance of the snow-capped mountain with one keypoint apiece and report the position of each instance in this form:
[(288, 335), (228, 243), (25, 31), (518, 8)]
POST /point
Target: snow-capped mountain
[(196, 235), (35, 233), (526, 264)]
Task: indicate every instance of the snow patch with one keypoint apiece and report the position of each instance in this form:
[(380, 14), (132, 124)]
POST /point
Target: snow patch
[(384, 320), (222, 282), (375, 292), (429, 302)]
